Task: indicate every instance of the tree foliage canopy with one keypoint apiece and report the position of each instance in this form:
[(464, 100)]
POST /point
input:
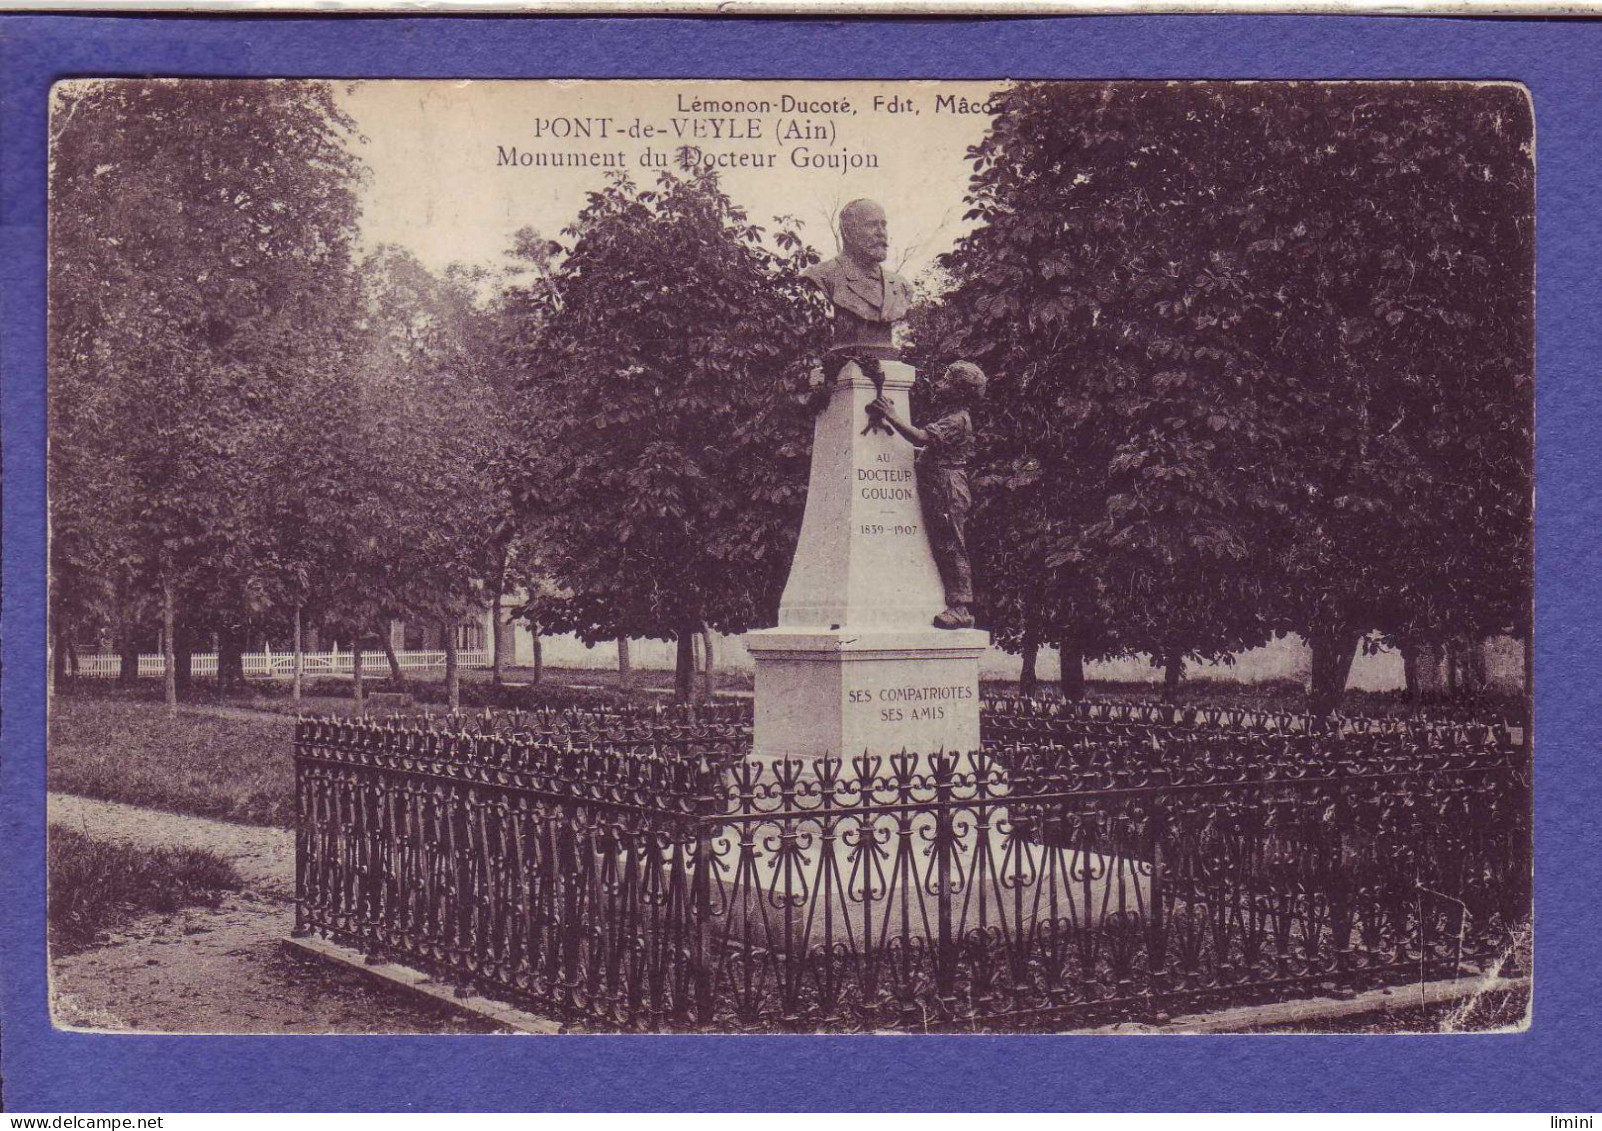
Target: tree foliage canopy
[(1262, 359), (668, 445), (200, 285)]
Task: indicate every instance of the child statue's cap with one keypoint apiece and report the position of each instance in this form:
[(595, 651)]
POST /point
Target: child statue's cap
[(970, 375)]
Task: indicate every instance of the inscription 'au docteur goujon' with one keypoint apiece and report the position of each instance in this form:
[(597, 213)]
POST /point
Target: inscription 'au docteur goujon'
[(877, 475)]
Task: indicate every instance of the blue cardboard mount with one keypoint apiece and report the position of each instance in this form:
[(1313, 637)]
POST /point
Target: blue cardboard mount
[(1552, 1066)]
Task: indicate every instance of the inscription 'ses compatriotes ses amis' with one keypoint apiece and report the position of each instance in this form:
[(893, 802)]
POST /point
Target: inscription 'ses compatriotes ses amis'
[(909, 694)]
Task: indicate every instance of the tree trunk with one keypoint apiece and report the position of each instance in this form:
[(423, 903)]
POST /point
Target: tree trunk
[(1431, 670), (183, 646), (169, 657), (1333, 652), (497, 592), (58, 655), (539, 652), (300, 660), (1411, 681), (709, 682), (358, 692), (128, 662), (625, 673), (1475, 677), (684, 668), (1173, 672), (395, 672), (1071, 677), (1529, 664), (1028, 681), (496, 630), (314, 639), (1449, 650), (230, 658), (453, 674)]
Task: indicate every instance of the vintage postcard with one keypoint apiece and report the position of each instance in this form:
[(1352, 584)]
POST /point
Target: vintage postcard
[(790, 556)]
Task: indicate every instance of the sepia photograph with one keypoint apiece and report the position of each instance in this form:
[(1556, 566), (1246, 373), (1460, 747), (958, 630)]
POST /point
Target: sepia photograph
[(790, 557)]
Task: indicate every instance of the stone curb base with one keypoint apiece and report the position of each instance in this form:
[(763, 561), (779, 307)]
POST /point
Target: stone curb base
[(1309, 1011), (1305, 1011), (422, 985)]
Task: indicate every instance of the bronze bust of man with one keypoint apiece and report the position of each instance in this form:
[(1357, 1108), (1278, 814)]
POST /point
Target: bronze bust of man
[(868, 298)]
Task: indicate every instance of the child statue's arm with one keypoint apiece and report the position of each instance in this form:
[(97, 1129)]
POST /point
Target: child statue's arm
[(882, 407)]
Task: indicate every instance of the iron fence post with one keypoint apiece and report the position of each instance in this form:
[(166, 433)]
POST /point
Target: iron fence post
[(302, 834), (942, 766), (707, 808)]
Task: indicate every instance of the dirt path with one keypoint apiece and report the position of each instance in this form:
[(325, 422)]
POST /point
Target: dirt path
[(223, 969)]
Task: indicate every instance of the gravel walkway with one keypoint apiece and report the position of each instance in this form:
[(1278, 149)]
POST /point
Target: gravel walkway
[(222, 969)]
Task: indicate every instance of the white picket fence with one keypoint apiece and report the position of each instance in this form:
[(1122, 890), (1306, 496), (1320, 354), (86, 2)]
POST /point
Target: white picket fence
[(104, 666)]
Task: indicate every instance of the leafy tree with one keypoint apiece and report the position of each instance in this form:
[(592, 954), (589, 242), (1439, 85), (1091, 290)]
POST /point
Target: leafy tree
[(200, 237), (1031, 499), (1261, 361), (1112, 496), (668, 444), (426, 497), (1414, 451), (521, 314)]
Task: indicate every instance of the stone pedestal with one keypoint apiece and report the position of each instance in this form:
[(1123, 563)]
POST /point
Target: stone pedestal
[(837, 693), (863, 557), (854, 664)]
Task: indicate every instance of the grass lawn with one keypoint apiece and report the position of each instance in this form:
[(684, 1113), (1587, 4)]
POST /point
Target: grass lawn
[(95, 886), (238, 769)]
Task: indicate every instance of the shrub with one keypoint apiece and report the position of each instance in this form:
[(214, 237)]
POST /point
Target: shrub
[(95, 885)]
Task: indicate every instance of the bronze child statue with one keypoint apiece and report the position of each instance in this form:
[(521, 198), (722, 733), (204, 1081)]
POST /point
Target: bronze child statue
[(945, 445)]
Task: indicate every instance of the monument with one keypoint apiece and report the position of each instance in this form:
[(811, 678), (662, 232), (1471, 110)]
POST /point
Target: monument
[(865, 657)]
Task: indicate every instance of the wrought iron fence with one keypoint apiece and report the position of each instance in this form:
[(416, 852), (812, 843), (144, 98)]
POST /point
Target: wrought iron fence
[(628, 870)]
